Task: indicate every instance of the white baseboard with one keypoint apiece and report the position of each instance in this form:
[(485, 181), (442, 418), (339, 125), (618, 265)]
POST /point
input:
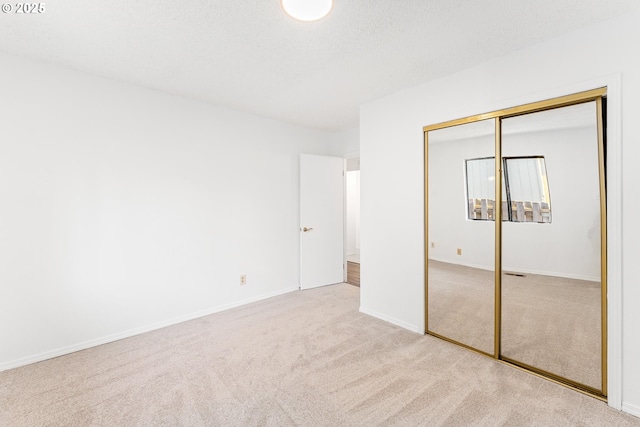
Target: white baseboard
[(405, 325), (631, 409), (136, 331)]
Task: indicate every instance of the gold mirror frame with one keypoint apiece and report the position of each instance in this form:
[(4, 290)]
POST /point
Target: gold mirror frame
[(596, 95)]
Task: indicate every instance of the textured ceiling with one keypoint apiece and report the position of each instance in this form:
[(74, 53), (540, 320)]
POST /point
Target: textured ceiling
[(248, 55)]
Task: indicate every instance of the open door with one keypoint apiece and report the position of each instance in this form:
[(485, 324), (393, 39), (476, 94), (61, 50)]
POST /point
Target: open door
[(321, 220)]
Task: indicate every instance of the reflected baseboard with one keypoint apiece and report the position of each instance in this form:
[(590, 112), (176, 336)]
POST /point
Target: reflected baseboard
[(507, 268)]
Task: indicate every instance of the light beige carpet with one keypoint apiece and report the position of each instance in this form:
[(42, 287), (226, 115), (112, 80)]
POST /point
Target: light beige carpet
[(553, 323), (307, 358), (550, 323), (461, 304)]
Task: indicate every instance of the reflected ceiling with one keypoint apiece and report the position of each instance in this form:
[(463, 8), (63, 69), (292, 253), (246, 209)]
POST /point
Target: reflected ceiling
[(574, 116)]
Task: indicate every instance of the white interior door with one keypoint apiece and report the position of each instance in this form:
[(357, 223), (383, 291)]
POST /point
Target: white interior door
[(321, 220)]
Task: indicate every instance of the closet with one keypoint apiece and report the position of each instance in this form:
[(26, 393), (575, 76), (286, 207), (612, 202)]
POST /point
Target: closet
[(515, 235)]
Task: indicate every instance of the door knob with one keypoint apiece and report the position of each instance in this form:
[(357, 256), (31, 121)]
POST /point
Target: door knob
[(307, 229)]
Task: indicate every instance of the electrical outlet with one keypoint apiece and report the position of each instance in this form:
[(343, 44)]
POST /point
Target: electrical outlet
[(433, 244), (243, 279), (459, 251)]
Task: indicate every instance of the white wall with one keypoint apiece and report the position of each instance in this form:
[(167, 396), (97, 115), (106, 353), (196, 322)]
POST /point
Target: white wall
[(124, 209), (345, 143), (391, 152), (569, 246)]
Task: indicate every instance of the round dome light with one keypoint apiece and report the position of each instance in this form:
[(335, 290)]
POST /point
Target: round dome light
[(307, 10)]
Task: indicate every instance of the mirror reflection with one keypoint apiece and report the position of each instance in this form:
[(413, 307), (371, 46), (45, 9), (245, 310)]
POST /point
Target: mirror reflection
[(460, 272), (551, 252)]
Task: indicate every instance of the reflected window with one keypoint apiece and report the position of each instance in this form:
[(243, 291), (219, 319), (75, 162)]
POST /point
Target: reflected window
[(481, 188), (525, 193)]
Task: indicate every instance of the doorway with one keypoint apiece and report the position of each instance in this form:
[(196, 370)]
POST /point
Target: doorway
[(353, 221)]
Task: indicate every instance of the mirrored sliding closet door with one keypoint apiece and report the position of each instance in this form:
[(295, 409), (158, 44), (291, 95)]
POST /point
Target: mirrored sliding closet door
[(461, 214), (516, 237), (551, 247)]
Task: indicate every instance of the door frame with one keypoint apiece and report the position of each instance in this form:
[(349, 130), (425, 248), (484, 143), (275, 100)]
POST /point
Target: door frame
[(355, 155)]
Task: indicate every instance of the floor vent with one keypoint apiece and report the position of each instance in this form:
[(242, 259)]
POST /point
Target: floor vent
[(515, 274)]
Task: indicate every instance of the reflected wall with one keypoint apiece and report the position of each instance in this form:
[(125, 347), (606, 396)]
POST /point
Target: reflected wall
[(460, 271)]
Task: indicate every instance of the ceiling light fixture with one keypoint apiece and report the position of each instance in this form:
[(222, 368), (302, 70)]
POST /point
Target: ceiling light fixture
[(307, 10)]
